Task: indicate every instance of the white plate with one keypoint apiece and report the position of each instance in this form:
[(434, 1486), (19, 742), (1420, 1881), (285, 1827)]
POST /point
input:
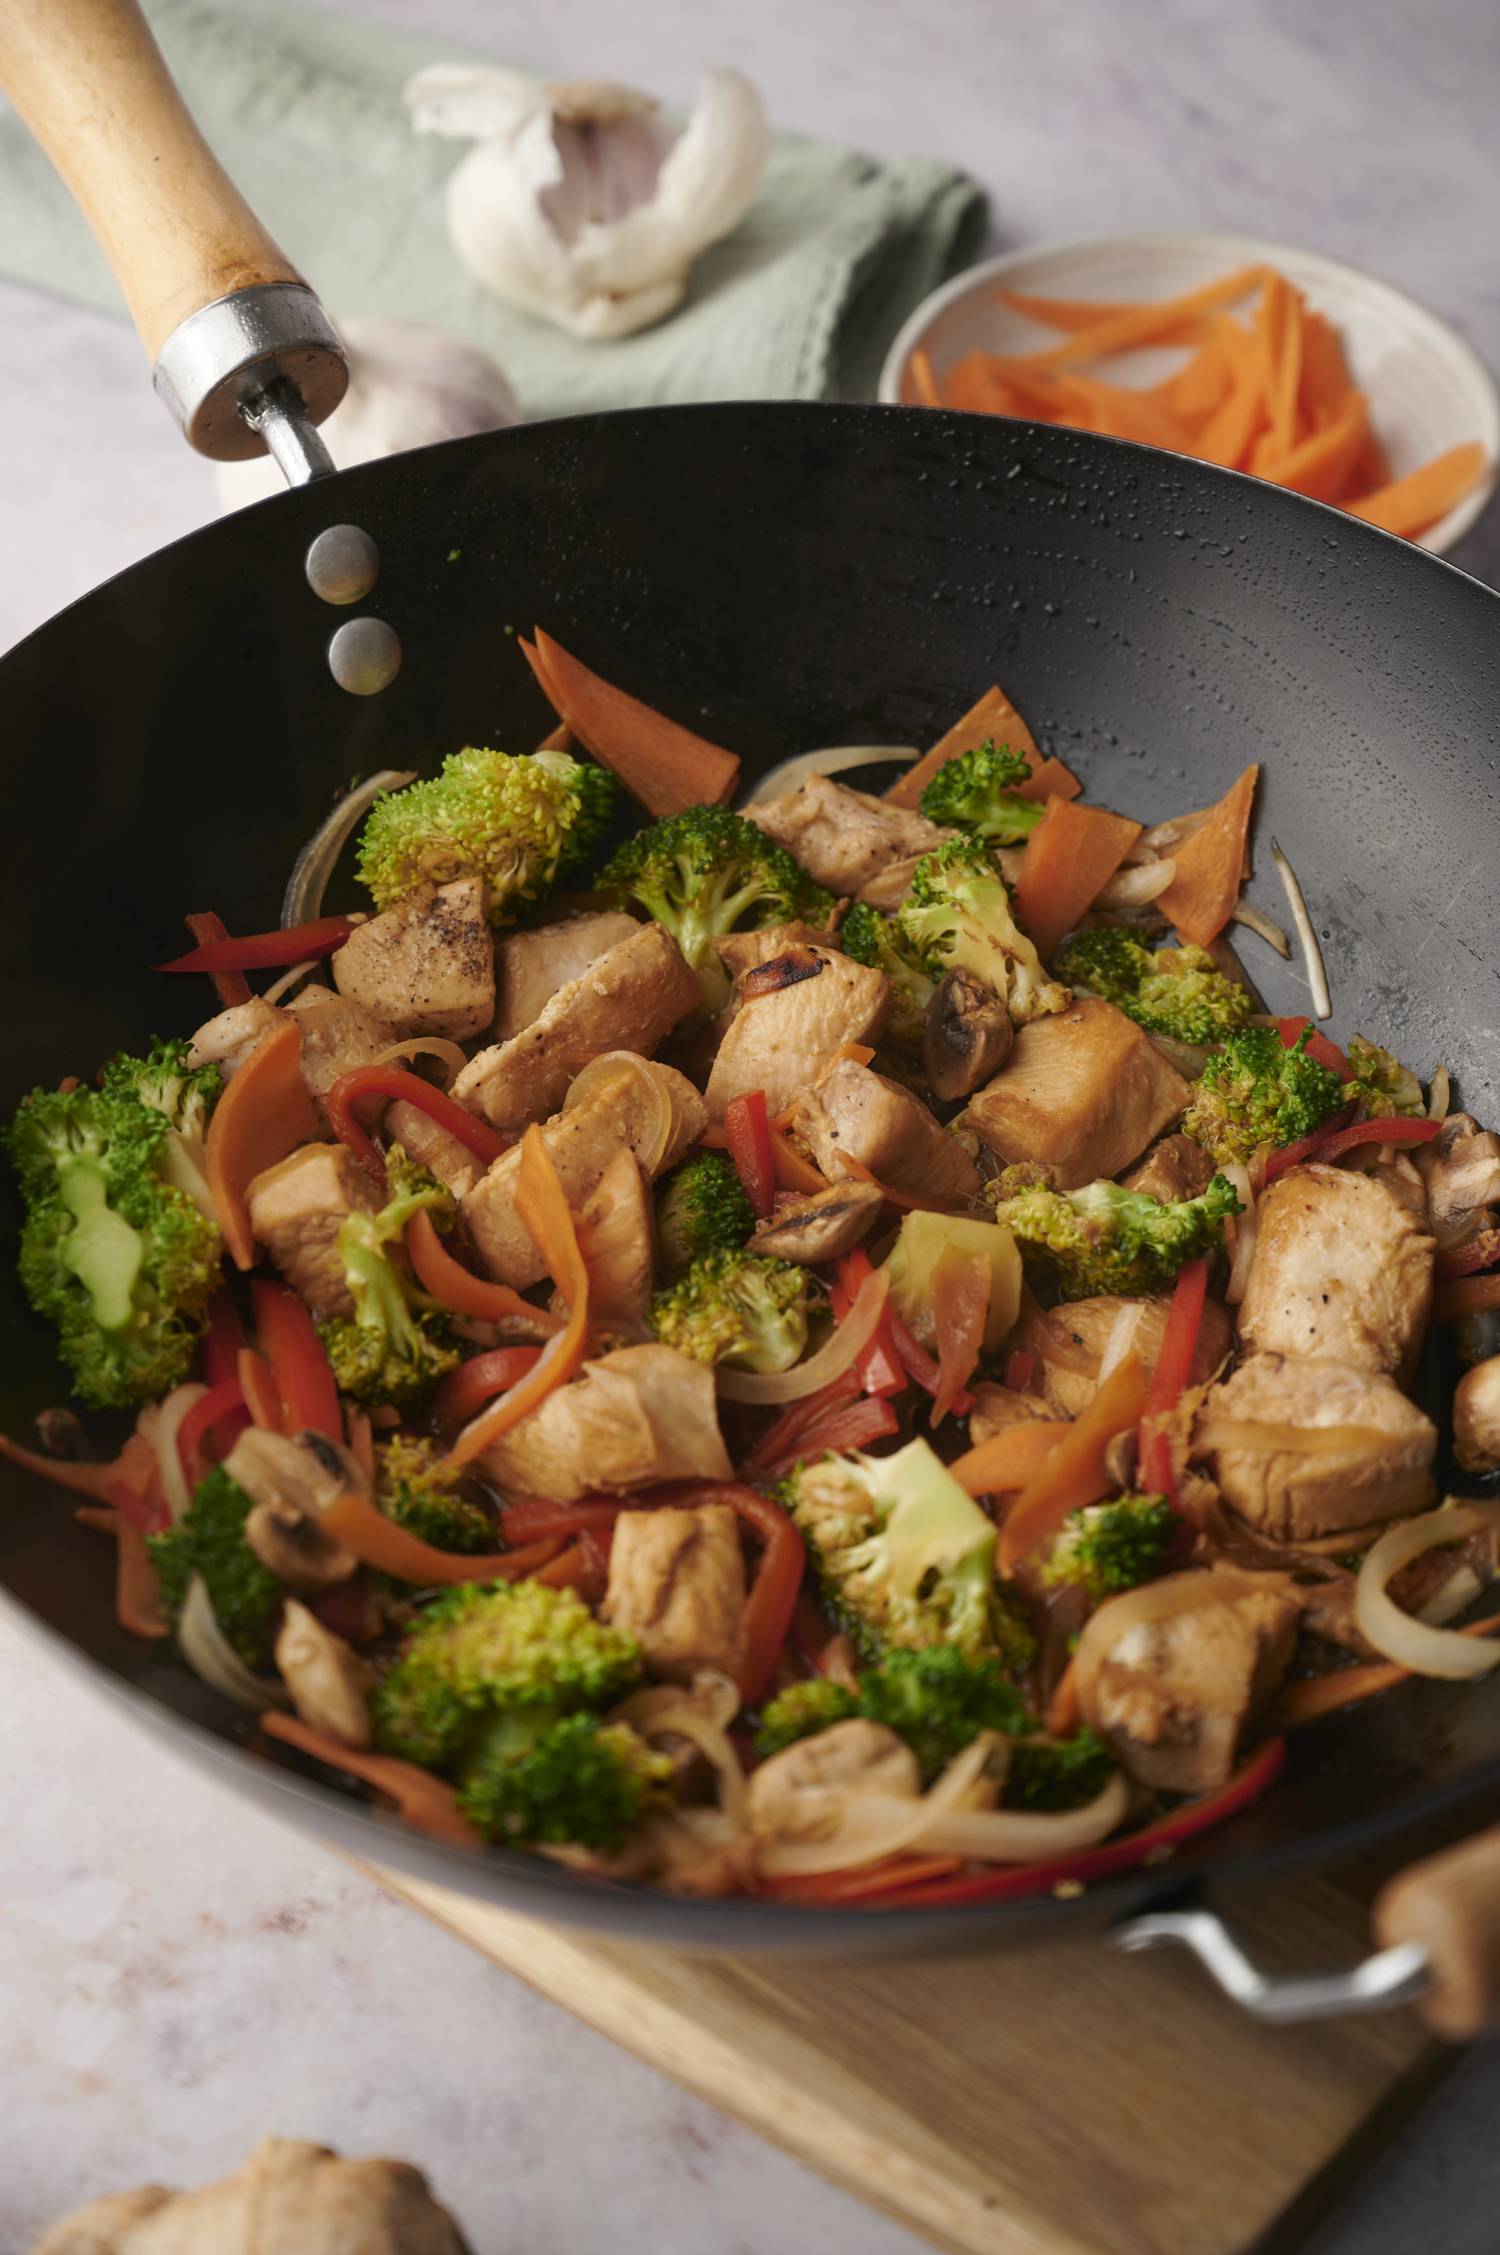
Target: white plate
[(1428, 388)]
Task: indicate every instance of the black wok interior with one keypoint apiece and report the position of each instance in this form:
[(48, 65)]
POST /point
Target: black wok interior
[(776, 577)]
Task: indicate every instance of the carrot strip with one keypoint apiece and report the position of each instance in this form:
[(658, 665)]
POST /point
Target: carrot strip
[(1324, 383), (793, 1172), (961, 1285), (993, 717), (264, 1113), (1075, 314), (664, 766), (94, 1480), (1074, 1473), (1202, 383), (231, 987), (928, 394), (1009, 1460), (543, 1207), (1070, 857), (1116, 412), (1326, 1695), (1064, 1710), (1322, 465), (1226, 437), (1135, 325), (1414, 502), (138, 1600), (1210, 866), (459, 1289), (1466, 1296), (1049, 779), (352, 1519), (422, 1800)]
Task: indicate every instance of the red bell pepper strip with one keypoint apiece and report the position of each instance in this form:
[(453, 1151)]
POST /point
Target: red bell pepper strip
[(1319, 1048), (222, 1342), (231, 987), (459, 1289), (289, 1341), (961, 1285), (879, 1368), (390, 1083), (534, 1518), (1020, 1370), (259, 1388), (1480, 1253), (1174, 1366), (1306, 1147), (1103, 1862), (141, 1502), (920, 1367), (1466, 1296), (464, 1392), (1333, 1139), (854, 1425), (778, 1578), (778, 1440), (265, 951), (747, 1131), (221, 1405)]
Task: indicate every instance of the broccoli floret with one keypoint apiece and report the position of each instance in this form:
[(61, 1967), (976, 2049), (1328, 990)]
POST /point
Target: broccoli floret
[(740, 1308), (1178, 992), (904, 1558), (1113, 1546), (122, 1261), (800, 1711), (956, 916), (1380, 1084), (487, 1648), (209, 1540), (163, 1081), (388, 1350), (412, 1488), (568, 1781), (704, 872), (515, 820), (1254, 1091), (702, 1209), (873, 939), (976, 791), (1057, 1773), (1102, 1239)]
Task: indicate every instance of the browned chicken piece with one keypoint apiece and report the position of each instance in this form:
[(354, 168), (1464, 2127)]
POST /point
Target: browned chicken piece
[(631, 998), (337, 1036), (427, 966), (228, 1039), (1302, 1449), (297, 1208), (423, 1139), (1084, 1093), (1176, 1698), (859, 1112), (821, 1226), (677, 1584), (1461, 1168), (1068, 1344), (617, 1237), (998, 1408), (742, 951), (631, 1418), (622, 1109), (1341, 1273), (1174, 1169), (1476, 1417), (795, 1011), (531, 966), (844, 839)]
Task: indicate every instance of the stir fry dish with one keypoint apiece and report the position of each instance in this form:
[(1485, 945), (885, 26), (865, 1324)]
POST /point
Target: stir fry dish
[(832, 1351)]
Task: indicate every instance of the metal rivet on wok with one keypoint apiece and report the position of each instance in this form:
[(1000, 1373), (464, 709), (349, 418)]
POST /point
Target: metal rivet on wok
[(342, 564), (364, 656)]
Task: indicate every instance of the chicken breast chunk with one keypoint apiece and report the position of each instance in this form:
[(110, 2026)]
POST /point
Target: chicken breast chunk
[(1341, 1272), (997, 1409), (427, 966), (634, 1417), (337, 1036), (530, 967), (677, 1583), (854, 1110), (793, 1012), (1084, 1093), (821, 1226), (1303, 1449), (631, 998), (298, 1207), (1174, 1169), (846, 839), (742, 951), (228, 1039), (622, 1110), (1068, 1344), (1175, 1698), (617, 1237)]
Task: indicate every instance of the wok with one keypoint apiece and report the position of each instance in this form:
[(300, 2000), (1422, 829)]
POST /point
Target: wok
[(776, 577)]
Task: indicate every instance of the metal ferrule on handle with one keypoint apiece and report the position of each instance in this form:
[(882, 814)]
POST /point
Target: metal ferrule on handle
[(256, 370)]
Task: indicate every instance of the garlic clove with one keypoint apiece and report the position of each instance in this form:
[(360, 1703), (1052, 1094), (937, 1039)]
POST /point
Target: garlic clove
[(472, 101), (706, 186)]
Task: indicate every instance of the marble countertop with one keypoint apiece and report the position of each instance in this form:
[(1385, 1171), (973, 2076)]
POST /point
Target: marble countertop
[(179, 1974)]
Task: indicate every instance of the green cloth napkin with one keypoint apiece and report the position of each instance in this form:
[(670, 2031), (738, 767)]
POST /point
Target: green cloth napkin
[(304, 111)]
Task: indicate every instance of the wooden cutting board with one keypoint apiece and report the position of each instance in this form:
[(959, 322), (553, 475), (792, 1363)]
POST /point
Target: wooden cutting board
[(1068, 2101)]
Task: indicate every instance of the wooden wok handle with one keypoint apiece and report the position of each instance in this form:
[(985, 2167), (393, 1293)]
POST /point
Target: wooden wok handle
[(89, 80), (1449, 1905)]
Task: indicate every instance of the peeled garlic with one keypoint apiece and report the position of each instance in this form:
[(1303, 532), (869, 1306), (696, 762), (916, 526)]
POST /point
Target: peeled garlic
[(409, 385), (579, 204)]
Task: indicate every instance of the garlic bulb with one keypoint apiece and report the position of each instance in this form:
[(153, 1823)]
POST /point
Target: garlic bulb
[(579, 204), (409, 385)]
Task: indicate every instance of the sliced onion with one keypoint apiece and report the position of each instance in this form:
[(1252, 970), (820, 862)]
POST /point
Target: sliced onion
[(1136, 884), (1252, 1438), (1163, 836), (838, 1351), (879, 1824), (1445, 1604), (1245, 1225), (1439, 1094), (600, 1068), (172, 1411), (1399, 1636), (427, 1045), (700, 1714), (1302, 925), (209, 1654), (315, 864), (830, 759), (1143, 1607), (1245, 912), (1121, 1337), (1019, 1836)]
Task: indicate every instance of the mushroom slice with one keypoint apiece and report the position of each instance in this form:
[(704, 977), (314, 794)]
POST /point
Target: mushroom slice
[(1476, 1417), (328, 1682), (821, 1226), (289, 1483), (966, 1036)]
